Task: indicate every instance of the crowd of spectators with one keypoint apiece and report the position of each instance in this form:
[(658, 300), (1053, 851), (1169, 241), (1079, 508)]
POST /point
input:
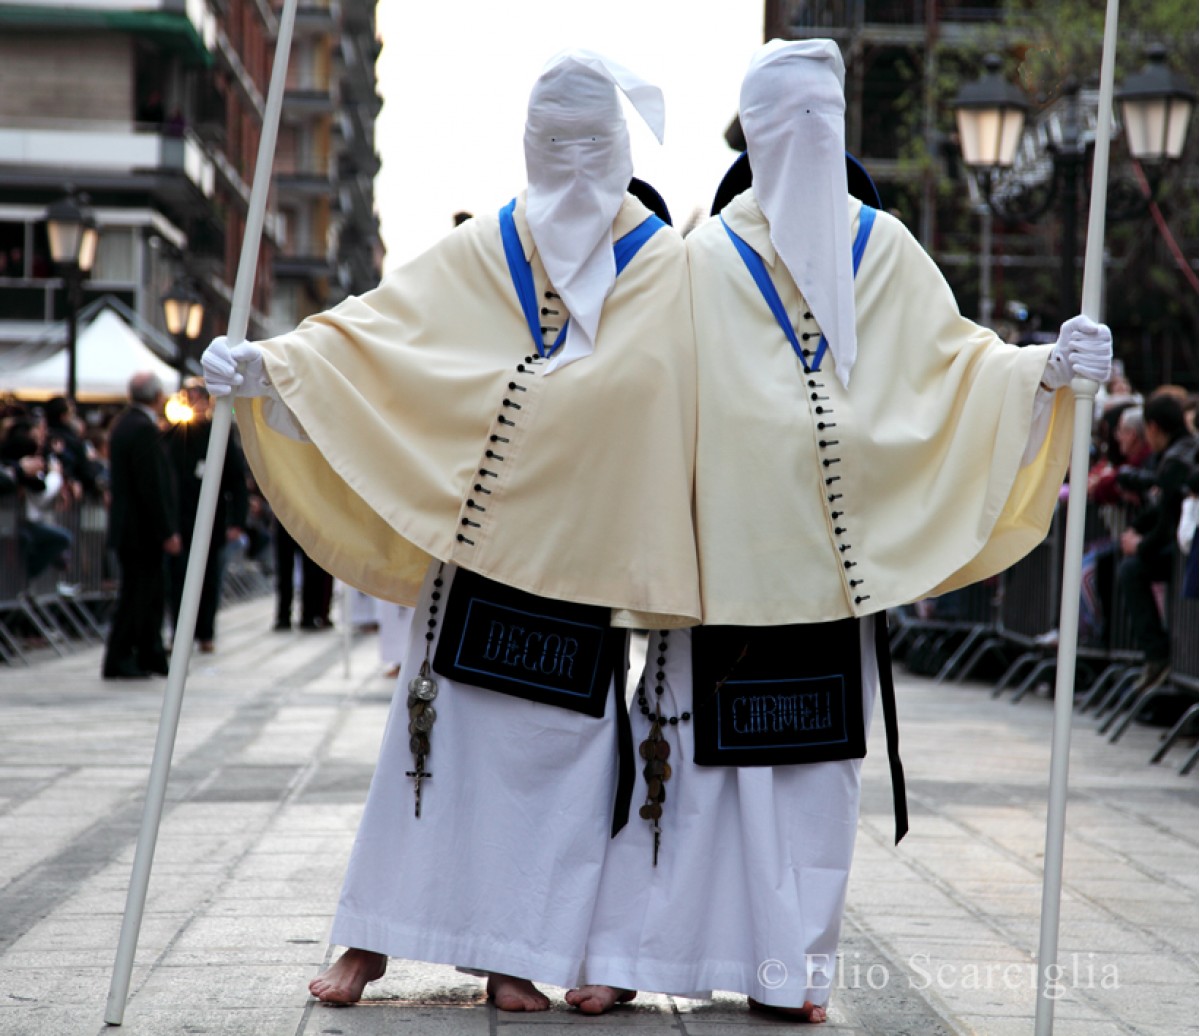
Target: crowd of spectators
[(48, 462), (53, 460), (1143, 481)]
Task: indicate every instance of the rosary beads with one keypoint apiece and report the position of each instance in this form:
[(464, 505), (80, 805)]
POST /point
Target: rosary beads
[(422, 690), (655, 750)]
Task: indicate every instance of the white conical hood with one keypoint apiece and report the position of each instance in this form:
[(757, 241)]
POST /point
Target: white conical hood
[(578, 162), (793, 113)]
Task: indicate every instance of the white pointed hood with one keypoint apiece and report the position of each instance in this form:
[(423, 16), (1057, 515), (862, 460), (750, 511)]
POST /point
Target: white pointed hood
[(793, 114), (578, 162)]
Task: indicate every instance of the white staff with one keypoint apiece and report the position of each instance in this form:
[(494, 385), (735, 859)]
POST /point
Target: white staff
[(1068, 626), (185, 628)]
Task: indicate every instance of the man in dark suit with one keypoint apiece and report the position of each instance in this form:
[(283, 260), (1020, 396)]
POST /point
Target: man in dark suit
[(186, 446), (143, 527)]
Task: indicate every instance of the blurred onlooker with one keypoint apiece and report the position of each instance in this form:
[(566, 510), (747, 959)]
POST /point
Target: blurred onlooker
[(143, 529), (41, 487), (1149, 545), (64, 438), (1189, 538), (316, 585), (1125, 447), (258, 526), (1116, 390), (96, 445), (186, 446)]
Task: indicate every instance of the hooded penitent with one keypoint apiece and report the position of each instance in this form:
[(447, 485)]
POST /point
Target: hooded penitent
[(793, 114), (578, 163), (429, 428), (825, 490)]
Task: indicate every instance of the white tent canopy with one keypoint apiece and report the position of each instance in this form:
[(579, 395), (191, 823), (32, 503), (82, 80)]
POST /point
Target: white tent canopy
[(108, 352)]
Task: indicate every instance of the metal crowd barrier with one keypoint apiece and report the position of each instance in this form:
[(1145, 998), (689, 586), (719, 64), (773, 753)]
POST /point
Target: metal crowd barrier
[(242, 578), (60, 608), (65, 609), (12, 578), (1183, 624), (1021, 631), (933, 633)]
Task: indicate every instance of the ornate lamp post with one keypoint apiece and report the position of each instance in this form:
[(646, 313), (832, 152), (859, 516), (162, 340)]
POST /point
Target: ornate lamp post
[(1156, 105), (990, 113), (1156, 108), (183, 310), (73, 240)]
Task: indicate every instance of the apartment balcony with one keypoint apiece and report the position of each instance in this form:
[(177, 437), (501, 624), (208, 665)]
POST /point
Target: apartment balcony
[(318, 17), (183, 27), (302, 268), (358, 55), (880, 21), (303, 183), (356, 128), (359, 161), (28, 305), (358, 16), (356, 198), (32, 150), (361, 93), (309, 100)]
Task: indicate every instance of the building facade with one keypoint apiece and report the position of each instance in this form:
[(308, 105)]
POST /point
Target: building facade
[(152, 110), (326, 162)]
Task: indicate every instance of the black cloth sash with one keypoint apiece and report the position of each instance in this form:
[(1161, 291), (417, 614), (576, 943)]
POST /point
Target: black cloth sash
[(887, 693), (553, 652), (782, 695), (777, 695)]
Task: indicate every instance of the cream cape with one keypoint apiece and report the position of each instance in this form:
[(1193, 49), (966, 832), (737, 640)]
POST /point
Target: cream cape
[(923, 448), (587, 494)]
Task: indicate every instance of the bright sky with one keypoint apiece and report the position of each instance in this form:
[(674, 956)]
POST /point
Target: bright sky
[(455, 80)]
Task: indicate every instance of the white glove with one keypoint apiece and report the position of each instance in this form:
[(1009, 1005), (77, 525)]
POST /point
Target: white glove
[(239, 370), (1083, 350)]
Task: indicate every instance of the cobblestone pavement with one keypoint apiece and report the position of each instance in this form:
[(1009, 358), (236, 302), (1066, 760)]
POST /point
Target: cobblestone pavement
[(274, 753)]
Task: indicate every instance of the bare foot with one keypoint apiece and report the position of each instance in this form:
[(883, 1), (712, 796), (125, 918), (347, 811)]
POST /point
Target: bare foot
[(343, 981), (598, 999), (515, 994), (810, 1012)]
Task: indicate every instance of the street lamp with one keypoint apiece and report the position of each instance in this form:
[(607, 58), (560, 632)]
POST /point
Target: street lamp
[(73, 240), (990, 113), (183, 309), (1156, 108)]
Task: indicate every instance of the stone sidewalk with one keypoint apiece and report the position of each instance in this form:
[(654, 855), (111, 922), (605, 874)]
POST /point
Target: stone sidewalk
[(275, 750)]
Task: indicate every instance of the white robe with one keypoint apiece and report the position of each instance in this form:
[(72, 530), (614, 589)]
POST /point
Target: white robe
[(815, 502), (752, 868), (502, 870), (372, 450)]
